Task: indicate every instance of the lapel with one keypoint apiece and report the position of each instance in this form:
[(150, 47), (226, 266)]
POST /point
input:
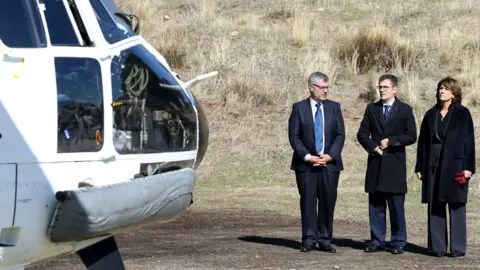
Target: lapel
[(394, 112), (379, 114), (432, 120), (307, 112), (328, 117), (454, 118)]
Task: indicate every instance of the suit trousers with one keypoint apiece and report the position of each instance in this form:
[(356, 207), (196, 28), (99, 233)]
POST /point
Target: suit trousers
[(377, 213), (320, 186), (437, 223), (437, 227)]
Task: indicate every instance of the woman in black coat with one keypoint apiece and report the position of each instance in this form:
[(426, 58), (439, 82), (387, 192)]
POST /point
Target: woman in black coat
[(445, 164)]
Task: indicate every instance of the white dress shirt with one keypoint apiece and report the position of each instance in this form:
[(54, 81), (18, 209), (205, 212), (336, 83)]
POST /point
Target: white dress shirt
[(313, 105), (383, 110), (389, 103)]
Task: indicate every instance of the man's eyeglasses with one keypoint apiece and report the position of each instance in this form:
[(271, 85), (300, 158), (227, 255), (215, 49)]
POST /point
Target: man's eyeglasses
[(321, 87)]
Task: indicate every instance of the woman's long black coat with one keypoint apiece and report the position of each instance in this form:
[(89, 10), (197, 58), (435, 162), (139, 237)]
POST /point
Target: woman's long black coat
[(458, 154)]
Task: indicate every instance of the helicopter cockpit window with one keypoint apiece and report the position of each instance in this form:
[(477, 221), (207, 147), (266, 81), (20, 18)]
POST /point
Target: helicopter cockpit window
[(151, 112), (59, 23), (21, 25), (80, 104), (112, 31)]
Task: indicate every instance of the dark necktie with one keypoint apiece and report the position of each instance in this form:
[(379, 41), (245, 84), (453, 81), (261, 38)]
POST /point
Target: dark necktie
[(318, 128), (386, 113)]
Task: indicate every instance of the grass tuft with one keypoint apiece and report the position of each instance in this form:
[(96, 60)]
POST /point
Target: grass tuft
[(375, 49)]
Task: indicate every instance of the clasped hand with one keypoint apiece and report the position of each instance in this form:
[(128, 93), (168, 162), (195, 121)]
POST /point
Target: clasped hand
[(383, 146), (321, 160)]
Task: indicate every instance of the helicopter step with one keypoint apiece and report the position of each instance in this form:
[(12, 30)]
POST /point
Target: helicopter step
[(102, 255), (90, 212), (9, 236)]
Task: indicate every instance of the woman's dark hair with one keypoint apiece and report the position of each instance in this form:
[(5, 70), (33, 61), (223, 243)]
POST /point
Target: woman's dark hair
[(452, 85)]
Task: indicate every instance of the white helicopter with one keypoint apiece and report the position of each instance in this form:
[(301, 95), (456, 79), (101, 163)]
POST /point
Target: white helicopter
[(97, 134)]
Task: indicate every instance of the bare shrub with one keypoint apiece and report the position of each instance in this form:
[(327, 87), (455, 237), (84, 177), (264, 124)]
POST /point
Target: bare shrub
[(376, 49), (279, 15)]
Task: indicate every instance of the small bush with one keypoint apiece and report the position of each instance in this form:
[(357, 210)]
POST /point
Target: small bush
[(376, 49), (279, 15)]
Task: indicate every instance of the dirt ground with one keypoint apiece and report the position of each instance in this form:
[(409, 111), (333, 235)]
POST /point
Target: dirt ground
[(246, 240)]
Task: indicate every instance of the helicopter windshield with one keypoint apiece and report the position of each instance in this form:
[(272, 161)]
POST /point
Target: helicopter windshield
[(21, 25), (60, 27), (112, 9), (113, 30), (151, 112)]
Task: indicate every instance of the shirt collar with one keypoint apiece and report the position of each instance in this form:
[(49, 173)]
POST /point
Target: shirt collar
[(389, 103), (314, 103)]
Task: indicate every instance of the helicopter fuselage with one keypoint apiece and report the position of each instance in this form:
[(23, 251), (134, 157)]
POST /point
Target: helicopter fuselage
[(85, 102)]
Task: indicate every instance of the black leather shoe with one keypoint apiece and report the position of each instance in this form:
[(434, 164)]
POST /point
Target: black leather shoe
[(372, 248), (396, 250), (306, 248), (327, 249), (457, 254)]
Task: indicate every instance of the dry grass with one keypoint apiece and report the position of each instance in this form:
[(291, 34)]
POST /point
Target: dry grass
[(264, 50), (376, 49), (174, 51), (269, 47), (300, 30)]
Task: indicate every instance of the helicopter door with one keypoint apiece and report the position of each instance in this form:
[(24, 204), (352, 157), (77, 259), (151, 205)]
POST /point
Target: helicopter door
[(8, 175)]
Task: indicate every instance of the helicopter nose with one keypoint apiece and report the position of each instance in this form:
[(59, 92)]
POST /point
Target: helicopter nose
[(203, 133)]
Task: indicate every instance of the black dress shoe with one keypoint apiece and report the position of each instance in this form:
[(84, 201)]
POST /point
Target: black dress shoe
[(327, 249), (457, 254), (437, 254), (396, 250), (306, 248), (372, 248)]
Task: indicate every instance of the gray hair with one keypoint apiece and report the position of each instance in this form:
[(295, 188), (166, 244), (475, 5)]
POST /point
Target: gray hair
[(317, 76)]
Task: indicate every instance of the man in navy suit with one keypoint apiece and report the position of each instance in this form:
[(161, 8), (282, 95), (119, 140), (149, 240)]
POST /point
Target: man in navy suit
[(316, 132)]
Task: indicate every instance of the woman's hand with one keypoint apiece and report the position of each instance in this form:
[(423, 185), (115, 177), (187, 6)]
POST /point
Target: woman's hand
[(419, 175), (468, 174)]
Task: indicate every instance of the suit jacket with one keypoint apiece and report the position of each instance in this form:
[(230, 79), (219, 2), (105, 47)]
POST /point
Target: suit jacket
[(458, 154), (387, 173), (301, 134)]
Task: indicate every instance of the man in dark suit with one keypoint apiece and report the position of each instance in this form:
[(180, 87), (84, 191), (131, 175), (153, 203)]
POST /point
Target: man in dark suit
[(316, 133), (387, 127)]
